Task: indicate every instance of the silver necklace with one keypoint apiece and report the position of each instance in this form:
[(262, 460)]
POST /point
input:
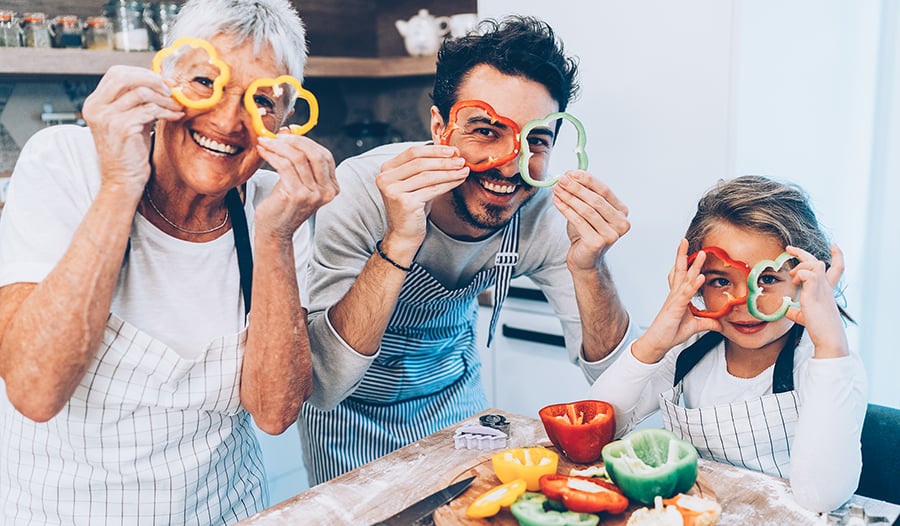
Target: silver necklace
[(185, 230)]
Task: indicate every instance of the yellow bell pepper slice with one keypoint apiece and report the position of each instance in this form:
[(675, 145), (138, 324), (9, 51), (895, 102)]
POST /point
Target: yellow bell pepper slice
[(489, 503), (301, 94), (527, 463), (218, 83)]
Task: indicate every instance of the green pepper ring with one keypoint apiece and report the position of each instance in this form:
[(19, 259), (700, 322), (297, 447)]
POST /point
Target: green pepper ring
[(526, 152), (754, 290)]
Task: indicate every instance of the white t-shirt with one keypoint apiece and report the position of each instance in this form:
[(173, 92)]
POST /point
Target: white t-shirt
[(182, 293)]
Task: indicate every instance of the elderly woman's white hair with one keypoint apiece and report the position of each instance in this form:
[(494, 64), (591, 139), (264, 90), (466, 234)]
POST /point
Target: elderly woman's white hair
[(265, 22)]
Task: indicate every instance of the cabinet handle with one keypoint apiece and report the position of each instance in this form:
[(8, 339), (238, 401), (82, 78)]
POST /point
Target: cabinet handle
[(533, 336)]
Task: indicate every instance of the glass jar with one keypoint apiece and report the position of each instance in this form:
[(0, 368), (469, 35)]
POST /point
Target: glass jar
[(66, 31), (161, 17), (98, 33), (129, 30), (10, 30), (36, 30)]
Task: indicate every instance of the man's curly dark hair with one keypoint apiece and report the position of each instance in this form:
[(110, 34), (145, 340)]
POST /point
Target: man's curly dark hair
[(516, 45)]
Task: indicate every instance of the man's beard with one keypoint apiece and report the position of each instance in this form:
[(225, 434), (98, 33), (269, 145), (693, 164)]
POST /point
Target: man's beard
[(493, 216)]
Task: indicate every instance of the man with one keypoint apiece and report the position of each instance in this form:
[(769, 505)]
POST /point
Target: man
[(415, 235)]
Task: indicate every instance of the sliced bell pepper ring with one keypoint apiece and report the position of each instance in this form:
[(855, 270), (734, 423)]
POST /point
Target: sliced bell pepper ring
[(580, 154), (489, 503), (218, 83), (584, 494), (452, 126), (726, 259), (694, 510), (651, 462), (527, 463), (755, 291), (579, 429), (277, 82), (534, 509)]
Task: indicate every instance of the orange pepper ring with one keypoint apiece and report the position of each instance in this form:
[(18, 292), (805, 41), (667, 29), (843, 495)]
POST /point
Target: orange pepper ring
[(301, 94), (451, 127), (218, 83)]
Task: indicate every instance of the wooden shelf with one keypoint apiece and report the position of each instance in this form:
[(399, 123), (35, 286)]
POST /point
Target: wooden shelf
[(30, 62)]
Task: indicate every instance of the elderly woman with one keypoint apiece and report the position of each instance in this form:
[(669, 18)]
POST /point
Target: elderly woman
[(131, 252)]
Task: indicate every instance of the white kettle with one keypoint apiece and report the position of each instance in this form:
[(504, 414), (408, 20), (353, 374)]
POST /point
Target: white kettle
[(422, 33)]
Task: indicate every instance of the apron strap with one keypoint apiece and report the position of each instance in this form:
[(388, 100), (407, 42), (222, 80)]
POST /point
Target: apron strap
[(241, 243), (782, 375), (505, 262)]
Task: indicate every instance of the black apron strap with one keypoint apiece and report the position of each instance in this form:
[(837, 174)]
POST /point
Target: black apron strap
[(241, 243), (782, 374)]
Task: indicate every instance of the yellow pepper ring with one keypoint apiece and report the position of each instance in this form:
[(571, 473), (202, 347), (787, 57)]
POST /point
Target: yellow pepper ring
[(218, 83), (580, 154), (301, 94)]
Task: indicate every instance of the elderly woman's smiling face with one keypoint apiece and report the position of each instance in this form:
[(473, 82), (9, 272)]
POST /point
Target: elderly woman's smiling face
[(213, 150)]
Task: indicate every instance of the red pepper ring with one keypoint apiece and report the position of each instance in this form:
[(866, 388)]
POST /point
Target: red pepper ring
[(725, 258), (277, 82), (452, 126), (584, 494), (218, 83), (580, 154)]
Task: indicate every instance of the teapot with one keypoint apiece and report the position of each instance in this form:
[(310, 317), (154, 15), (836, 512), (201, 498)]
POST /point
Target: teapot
[(422, 33)]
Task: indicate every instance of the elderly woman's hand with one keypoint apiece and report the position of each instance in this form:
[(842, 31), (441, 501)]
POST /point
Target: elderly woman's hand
[(120, 113), (307, 181)]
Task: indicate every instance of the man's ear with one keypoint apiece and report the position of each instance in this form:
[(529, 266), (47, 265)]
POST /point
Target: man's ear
[(437, 125)]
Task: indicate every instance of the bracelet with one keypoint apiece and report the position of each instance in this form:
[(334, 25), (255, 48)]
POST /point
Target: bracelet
[(389, 260)]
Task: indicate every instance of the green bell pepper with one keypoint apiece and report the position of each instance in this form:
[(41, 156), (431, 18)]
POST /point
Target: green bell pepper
[(649, 463), (535, 509)]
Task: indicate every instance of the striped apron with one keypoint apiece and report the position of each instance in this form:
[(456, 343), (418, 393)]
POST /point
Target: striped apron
[(426, 376), (148, 437), (754, 434)]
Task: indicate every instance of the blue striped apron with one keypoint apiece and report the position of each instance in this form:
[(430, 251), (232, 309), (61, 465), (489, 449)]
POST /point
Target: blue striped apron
[(426, 376)]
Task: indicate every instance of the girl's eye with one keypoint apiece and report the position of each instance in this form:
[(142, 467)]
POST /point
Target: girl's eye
[(719, 282), (768, 279)]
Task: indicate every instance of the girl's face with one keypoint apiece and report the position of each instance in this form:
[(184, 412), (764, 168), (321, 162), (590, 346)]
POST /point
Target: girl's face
[(722, 282)]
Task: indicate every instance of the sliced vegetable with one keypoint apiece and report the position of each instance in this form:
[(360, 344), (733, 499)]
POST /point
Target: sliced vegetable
[(651, 462), (694, 510), (726, 259), (534, 509), (755, 291), (584, 494), (527, 463), (489, 503), (658, 515), (580, 429)]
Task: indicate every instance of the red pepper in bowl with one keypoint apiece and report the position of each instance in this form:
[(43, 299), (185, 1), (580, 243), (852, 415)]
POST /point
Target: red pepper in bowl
[(580, 429)]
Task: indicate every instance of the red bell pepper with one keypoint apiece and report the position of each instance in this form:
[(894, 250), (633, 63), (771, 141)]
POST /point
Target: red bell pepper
[(495, 117), (580, 429), (584, 494), (726, 259)]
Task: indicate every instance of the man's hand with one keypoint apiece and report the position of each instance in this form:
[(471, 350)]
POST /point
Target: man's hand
[(596, 217), (408, 184)]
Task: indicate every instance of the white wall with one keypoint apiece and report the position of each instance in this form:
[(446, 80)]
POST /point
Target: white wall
[(676, 95)]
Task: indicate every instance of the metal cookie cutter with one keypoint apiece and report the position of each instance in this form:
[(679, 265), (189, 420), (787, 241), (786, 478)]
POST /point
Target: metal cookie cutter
[(498, 422), (854, 515), (474, 436)]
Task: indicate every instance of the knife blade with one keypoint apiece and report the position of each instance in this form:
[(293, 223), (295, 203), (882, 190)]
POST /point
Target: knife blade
[(425, 507)]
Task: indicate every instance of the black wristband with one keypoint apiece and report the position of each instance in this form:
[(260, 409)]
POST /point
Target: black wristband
[(389, 260)]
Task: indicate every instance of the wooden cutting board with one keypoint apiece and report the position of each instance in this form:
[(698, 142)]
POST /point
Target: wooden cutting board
[(454, 513)]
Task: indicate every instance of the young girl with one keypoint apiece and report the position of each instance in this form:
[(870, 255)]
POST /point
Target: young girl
[(784, 397)]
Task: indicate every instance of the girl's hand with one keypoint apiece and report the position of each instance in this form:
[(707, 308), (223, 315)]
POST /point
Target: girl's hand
[(675, 323), (818, 311)]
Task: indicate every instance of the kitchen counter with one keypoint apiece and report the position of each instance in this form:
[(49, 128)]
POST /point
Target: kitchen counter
[(387, 485)]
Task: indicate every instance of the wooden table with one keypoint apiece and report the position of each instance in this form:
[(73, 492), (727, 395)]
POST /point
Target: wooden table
[(385, 486)]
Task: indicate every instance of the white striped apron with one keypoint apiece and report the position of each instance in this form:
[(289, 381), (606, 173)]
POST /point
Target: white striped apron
[(147, 438), (427, 375), (755, 434)]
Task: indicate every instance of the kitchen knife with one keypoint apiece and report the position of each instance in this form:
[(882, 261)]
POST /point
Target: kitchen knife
[(418, 512)]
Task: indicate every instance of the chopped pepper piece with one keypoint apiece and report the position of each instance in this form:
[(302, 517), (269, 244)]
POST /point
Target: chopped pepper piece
[(580, 154), (694, 510), (584, 494), (213, 59), (580, 429), (651, 462), (755, 291), (489, 503), (277, 84), (527, 463), (534, 509), (494, 118), (726, 259)]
